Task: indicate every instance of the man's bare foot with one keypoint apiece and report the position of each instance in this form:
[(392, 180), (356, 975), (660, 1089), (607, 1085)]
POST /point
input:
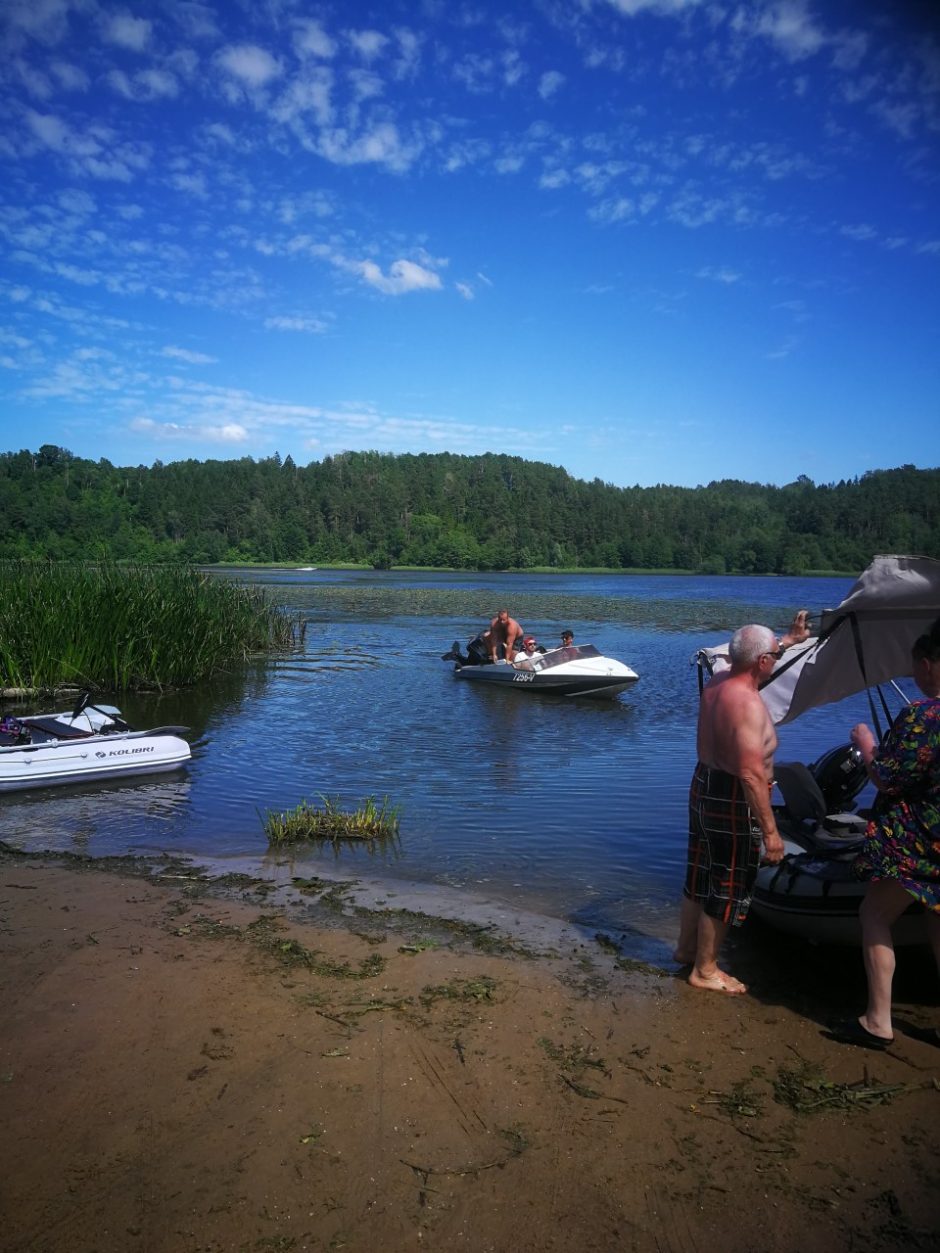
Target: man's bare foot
[(720, 981), (684, 959)]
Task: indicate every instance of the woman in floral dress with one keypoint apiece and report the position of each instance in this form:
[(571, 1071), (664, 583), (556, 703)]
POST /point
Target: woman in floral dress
[(902, 849)]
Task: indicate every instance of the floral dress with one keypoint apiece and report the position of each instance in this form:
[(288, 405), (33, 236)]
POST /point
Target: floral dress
[(903, 838)]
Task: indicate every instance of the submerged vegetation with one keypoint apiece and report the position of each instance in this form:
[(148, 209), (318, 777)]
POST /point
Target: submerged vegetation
[(370, 822), (103, 626)]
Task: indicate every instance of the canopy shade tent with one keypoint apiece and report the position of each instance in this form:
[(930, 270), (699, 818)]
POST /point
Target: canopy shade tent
[(865, 641)]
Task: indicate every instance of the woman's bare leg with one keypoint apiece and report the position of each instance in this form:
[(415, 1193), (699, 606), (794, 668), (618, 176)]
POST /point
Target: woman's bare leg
[(885, 901)]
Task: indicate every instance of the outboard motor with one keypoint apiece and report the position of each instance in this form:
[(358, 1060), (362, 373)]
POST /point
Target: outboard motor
[(841, 775)]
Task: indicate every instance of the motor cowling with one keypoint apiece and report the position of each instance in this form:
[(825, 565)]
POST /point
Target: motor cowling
[(841, 775)]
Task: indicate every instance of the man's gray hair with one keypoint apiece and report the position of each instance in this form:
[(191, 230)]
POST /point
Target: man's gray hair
[(749, 642)]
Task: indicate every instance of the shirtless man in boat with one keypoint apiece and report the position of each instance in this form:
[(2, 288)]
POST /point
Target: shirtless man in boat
[(504, 634), (730, 816)]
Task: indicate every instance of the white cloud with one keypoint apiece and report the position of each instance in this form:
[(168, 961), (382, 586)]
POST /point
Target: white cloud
[(368, 43), (74, 200), (861, 231), (551, 180), (50, 130), (310, 326), (310, 39), (70, 77), (616, 209), (220, 132), (198, 21), (550, 82), (128, 32), (43, 20), (310, 92), (630, 8), (850, 47), (185, 354), (718, 274), (95, 153), (783, 350), (33, 80), (191, 184), (144, 86), (792, 29), (510, 164), (366, 84), (402, 277), (409, 54), (900, 118), (158, 83), (224, 433), (465, 290), (513, 68), (382, 145), (251, 65)]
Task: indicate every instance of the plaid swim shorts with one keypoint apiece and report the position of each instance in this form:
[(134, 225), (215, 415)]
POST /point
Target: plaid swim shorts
[(724, 846)]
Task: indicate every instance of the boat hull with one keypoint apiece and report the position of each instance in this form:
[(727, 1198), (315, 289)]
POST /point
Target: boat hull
[(818, 899), (89, 759), (596, 685)]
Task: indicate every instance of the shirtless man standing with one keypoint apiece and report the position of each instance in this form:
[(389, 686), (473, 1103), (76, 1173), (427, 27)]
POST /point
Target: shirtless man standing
[(730, 815), (504, 633)]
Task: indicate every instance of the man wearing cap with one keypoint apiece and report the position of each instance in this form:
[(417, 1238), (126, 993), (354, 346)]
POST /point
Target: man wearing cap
[(531, 649)]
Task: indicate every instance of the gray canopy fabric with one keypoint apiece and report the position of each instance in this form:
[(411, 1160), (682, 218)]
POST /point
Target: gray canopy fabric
[(863, 642)]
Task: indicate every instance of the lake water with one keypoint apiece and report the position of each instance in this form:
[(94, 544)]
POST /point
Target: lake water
[(572, 808)]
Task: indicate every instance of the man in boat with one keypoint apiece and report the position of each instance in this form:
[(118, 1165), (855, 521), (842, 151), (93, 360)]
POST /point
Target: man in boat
[(531, 649), (567, 643), (730, 815), (503, 637)]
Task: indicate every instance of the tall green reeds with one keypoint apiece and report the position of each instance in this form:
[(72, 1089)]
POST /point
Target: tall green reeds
[(116, 628)]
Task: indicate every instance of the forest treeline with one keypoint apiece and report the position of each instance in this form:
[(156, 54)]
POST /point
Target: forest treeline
[(490, 512)]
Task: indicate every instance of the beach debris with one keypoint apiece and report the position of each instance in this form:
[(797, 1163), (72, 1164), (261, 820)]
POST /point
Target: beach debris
[(480, 989), (805, 1090)]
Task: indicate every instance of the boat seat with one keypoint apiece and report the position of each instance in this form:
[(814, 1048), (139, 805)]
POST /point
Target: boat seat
[(801, 793), (61, 730)]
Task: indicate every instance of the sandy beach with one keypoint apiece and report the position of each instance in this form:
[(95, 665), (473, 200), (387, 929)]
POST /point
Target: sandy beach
[(185, 1067)]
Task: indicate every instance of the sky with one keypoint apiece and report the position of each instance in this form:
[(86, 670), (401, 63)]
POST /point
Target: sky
[(651, 241)]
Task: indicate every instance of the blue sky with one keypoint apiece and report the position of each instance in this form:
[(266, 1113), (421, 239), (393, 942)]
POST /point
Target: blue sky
[(653, 241)]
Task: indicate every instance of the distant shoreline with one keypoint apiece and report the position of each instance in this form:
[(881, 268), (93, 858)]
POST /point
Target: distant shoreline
[(632, 571)]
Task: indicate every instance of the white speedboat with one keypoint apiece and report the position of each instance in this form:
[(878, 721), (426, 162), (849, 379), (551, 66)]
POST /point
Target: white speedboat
[(575, 670), (864, 643), (92, 742)]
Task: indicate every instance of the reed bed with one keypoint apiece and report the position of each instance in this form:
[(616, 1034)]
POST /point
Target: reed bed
[(116, 628), (370, 822)]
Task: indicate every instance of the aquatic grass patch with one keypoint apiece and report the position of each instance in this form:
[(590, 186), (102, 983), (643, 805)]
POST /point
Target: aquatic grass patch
[(371, 822), (117, 628)]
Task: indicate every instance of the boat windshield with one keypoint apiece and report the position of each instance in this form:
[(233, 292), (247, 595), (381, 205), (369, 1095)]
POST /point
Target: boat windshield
[(558, 656)]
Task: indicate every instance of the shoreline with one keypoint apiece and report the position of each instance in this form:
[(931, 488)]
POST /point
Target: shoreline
[(189, 1068)]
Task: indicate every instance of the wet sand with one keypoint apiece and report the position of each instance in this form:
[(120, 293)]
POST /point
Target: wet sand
[(182, 1072)]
